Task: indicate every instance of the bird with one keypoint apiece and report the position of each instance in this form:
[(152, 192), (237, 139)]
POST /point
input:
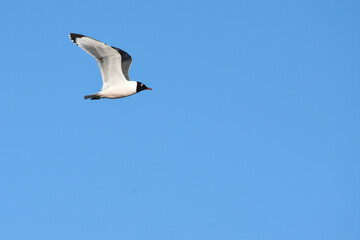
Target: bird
[(114, 65)]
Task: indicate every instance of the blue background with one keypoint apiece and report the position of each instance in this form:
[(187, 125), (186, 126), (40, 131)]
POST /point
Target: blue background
[(251, 130)]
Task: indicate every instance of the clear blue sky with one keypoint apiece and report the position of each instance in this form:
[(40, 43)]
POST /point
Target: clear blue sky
[(251, 130)]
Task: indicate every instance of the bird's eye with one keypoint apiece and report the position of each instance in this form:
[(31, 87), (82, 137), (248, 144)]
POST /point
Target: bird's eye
[(142, 85)]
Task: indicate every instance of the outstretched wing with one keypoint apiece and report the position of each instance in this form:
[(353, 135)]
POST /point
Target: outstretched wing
[(108, 59), (126, 61)]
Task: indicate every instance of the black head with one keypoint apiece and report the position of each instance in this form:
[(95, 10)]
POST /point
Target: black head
[(140, 86)]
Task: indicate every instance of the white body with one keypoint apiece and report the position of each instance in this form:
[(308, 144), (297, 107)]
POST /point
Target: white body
[(119, 91)]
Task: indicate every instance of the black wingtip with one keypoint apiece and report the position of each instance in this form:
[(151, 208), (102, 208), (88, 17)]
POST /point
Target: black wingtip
[(74, 36)]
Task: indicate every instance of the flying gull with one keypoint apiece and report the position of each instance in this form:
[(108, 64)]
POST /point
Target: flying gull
[(114, 65)]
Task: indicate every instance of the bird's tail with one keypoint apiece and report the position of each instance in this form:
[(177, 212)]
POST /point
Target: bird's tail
[(95, 96)]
